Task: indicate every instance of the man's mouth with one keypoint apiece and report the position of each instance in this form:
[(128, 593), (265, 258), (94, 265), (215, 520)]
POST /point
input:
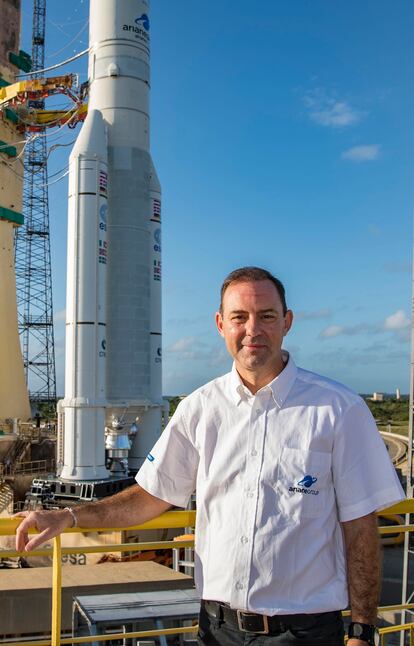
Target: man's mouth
[(253, 345)]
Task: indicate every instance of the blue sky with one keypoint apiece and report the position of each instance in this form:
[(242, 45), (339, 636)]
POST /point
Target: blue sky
[(283, 136)]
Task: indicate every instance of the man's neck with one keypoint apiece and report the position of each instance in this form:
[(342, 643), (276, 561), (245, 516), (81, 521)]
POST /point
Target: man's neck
[(254, 380)]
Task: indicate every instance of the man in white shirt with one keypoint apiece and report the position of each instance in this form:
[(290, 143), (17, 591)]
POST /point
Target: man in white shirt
[(289, 470)]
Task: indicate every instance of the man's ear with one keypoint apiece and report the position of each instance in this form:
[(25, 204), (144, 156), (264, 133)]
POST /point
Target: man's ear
[(288, 321), (219, 323)]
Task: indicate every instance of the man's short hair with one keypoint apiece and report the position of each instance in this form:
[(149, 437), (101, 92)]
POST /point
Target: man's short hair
[(253, 275)]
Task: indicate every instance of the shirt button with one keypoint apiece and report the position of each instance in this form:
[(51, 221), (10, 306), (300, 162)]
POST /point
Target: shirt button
[(250, 494), (253, 452), (244, 539), (258, 411), (239, 586)]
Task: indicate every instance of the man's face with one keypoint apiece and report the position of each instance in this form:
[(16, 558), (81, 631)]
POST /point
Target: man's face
[(253, 326)]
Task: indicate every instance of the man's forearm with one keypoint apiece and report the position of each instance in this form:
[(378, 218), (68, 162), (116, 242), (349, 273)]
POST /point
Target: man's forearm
[(363, 567), (132, 506)]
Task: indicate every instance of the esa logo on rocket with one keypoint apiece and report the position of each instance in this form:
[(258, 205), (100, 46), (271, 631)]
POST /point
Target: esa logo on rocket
[(102, 213), (157, 238)]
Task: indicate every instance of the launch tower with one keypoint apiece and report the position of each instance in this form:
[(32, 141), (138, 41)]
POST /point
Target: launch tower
[(33, 265)]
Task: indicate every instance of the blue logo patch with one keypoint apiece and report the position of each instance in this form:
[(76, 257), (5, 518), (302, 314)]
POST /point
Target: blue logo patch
[(144, 20), (307, 481), (150, 457)]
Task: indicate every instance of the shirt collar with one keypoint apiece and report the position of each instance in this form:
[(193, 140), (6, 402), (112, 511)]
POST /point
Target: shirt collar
[(279, 387)]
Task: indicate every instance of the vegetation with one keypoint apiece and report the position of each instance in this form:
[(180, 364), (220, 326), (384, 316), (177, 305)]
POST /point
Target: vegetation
[(46, 410), (174, 401), (390, 411), (390, 414)]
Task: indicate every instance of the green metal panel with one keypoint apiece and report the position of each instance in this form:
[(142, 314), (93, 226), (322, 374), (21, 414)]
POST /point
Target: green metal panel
[(25, 55), (22, 62), (11, 115), (11, 216), (10, 151)]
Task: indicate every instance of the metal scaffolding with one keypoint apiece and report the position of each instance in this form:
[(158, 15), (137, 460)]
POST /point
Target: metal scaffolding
[(32, 248)]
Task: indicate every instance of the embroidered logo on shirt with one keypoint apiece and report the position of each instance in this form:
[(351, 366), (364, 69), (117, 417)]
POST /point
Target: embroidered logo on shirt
[(305, 486), (150, 457), (307, 481)]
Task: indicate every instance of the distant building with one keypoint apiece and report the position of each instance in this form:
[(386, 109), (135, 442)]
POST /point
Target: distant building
[(377, 397), (397, 394)]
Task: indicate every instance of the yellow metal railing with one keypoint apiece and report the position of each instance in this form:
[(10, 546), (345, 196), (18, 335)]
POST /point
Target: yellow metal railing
[(169, 520)]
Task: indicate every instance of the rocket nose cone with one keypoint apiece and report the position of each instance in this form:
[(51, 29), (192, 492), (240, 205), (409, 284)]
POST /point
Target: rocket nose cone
[(92, 137)]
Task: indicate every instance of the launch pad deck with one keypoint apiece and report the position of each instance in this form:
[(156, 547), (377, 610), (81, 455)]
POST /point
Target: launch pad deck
[(25, 594)]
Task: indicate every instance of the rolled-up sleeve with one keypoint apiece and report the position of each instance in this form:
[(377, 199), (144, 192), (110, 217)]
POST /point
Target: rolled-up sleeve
[(170, 469), (364, 477)]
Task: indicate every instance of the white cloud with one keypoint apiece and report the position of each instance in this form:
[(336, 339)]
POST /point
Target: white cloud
[(193, 349), (182, 345), (195, 360), (397, 321), (311, 315), (374, 230), (329, 111), (362, 153), (398, 267), (398, 324), (347, 330), (376, 353), (59, 316), (331, 331)]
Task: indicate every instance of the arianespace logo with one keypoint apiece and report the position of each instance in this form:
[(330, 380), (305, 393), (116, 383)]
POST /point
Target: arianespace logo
[(140, 27), (143, 20), (305, 486)]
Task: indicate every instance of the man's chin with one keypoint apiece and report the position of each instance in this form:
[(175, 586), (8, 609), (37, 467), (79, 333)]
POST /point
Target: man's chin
[(253, 361)]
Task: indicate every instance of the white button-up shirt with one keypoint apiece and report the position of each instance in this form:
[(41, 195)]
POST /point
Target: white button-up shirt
[(274, 474)]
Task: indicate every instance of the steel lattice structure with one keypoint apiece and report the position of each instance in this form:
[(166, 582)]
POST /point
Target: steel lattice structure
[(32, 253)]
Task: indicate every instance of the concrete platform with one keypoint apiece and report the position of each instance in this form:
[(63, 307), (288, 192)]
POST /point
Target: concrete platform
[(25, 594)]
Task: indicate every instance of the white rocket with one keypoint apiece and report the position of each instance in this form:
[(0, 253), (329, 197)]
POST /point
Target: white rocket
[(113, 316)]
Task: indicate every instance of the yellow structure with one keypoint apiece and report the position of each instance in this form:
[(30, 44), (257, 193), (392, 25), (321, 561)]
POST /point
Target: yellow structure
[(17, 95), (14, 400)]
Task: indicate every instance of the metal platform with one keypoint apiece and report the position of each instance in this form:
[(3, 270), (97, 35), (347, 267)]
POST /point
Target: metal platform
[(97, 614), (26, 596), (55, 492)]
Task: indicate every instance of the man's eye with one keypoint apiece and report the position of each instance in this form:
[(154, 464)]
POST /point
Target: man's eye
[(269, 316)]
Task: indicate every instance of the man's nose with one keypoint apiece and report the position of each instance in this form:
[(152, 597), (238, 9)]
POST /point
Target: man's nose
[(253, 326)]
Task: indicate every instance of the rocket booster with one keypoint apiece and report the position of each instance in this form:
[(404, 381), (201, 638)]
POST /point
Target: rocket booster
[(113, 343), (84, 403)]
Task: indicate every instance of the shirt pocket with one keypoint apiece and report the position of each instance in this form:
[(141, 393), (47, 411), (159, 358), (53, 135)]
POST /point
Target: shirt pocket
[(304, 482)]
